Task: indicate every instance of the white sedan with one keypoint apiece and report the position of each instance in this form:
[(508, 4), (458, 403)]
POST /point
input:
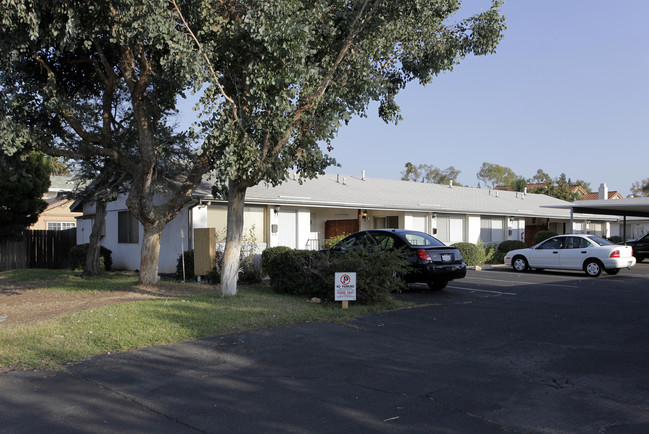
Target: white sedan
[(573, 252)]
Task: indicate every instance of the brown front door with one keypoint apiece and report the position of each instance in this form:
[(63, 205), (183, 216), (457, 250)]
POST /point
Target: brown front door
[(334, 228)]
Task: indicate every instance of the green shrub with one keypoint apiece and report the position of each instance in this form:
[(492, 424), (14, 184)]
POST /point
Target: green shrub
[(488, 251), (471, 253), (504, 247), (189, 265), (543, 235), (334, 240), (615, 239), (249, 272), (268, 254), (79, 252), (214, 275), (312, 274)]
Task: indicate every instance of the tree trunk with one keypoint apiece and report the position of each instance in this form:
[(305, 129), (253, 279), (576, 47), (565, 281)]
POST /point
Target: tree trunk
[(232, 253), (94, 246), (150, 253)]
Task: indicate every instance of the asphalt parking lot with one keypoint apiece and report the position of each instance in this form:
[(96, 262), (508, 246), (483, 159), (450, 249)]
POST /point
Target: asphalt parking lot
[(498, 351)]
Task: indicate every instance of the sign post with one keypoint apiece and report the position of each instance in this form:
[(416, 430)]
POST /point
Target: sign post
[(345, 288)]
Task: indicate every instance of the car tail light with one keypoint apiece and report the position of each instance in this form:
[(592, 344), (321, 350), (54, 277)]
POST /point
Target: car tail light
[(615, 254), (423, 254)]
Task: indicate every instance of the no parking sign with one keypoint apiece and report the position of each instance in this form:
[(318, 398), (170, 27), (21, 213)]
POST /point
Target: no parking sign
[(345, 288)]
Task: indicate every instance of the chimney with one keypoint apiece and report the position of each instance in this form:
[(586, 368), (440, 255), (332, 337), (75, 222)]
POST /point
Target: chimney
[(602, 193), (363, 175)]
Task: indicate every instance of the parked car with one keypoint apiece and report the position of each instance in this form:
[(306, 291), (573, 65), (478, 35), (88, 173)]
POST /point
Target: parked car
[(431, 261), (589, 253), (640, 247)]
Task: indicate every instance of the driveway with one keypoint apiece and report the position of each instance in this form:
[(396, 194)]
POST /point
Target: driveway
[(497, 351)]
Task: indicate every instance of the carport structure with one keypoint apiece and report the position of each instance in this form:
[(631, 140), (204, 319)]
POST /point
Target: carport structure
[(629, 207)]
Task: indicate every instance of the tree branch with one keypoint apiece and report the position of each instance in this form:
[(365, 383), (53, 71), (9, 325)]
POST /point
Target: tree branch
[(312, 100)]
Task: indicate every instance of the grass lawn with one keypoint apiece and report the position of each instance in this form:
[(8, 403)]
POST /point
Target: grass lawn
[(117, 327)]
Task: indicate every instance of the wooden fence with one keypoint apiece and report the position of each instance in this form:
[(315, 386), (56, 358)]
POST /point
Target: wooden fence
[(38, 249)]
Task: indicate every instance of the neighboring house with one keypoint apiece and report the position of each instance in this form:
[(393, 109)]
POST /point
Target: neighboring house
[(57, 216), (304, 215), (603, 194)]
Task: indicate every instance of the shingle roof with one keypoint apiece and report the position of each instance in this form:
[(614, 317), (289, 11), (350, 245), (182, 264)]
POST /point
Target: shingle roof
[(341, 191)]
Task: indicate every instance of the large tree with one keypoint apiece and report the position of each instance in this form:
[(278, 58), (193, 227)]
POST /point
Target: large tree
[(24, 179), (494, 175), (99, 79), (285, 75), (429, 173)]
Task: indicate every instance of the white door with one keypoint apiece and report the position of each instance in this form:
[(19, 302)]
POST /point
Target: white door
[(547, 255), (574, 253), (287, 230)]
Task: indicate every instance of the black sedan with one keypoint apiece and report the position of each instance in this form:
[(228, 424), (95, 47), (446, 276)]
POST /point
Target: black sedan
[(432, 262), (640, 247)]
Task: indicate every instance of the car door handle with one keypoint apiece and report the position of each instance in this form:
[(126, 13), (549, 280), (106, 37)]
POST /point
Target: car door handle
[(584, 252), (555, 252)]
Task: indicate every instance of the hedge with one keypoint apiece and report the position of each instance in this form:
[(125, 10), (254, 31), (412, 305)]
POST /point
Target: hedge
[(543, 235), (504, 247), (312, 274), (471, 254)]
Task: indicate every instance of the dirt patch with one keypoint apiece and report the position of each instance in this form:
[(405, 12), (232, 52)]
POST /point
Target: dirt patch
[(20, 304)]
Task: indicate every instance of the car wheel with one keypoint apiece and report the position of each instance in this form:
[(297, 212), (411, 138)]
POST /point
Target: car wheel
[(437, 286), (612, 271), (593, 268), (520, 263)]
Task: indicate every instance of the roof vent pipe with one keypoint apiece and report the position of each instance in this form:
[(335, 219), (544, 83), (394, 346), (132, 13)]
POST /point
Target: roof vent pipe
[(525, 190), (450, 184), (338, 178), (344, 181), (363, 175)]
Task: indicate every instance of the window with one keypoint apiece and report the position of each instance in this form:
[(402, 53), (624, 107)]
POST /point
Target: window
[(552, 244), (450, 228), (389, 222), (128, 228), (491, 230), (576, 243), (60, 226)]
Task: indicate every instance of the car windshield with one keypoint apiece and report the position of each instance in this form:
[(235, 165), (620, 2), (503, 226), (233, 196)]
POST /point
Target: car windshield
[(420, 239), (599, 241)]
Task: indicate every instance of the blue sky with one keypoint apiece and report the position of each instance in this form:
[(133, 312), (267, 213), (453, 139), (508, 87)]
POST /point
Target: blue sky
[(567, 92)]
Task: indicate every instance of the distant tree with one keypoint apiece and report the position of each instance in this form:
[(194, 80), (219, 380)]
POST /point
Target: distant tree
[(494, 174), (561, 188), (24, 179), (59, 166), (429, 173), (640, 188), (541, 177), (519, 184)]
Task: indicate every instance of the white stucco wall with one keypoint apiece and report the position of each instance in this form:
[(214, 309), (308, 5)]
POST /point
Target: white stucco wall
[(126, 256)]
